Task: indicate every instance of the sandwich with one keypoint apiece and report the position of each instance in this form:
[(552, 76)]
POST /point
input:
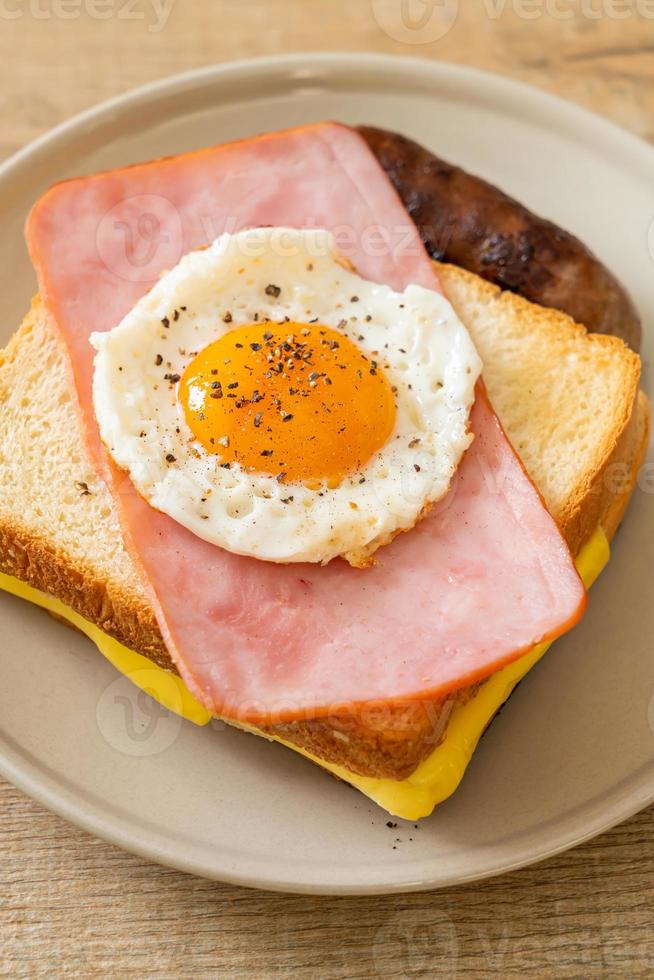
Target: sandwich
[(259, 442)]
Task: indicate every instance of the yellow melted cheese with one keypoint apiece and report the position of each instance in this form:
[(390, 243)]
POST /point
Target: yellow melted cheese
[(432, 782)]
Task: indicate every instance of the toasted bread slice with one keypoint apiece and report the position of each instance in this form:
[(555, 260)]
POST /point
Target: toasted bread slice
[(568, 400)]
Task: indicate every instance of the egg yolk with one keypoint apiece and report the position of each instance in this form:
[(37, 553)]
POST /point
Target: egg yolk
[(298, 401)]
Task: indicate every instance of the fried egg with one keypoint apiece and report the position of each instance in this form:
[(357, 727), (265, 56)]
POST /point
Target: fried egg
[(280, 406)]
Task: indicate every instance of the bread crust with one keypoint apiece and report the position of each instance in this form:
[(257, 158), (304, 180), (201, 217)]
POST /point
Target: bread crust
[(613, 476), (388, 742), (77, 584)]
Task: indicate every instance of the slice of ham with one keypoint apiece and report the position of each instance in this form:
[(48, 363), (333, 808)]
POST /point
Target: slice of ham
[(473, 586)]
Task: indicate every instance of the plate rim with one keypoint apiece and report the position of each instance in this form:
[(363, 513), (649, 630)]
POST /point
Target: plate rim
[(31, 776), (282, 64)]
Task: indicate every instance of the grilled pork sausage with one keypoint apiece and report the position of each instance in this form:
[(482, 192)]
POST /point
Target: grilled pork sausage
[(466, 221)]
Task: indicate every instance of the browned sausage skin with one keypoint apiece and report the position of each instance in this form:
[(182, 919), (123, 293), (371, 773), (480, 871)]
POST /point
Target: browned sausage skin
[(466, 221)]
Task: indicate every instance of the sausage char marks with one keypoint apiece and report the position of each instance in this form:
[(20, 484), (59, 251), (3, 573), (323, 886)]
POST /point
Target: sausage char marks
[(466, 221)]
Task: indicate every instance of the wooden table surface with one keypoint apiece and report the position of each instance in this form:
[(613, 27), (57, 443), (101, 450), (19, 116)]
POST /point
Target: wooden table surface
[(73, 905)]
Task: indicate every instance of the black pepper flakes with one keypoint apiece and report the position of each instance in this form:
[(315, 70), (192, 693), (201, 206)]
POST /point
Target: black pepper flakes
[(170, 458), (158, 360), (272, 290)]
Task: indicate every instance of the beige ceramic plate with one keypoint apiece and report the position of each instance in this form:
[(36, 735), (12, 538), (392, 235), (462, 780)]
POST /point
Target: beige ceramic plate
[(573, 752)]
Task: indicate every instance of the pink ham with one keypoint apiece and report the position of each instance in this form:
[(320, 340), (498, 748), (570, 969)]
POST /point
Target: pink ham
[(481, 580)]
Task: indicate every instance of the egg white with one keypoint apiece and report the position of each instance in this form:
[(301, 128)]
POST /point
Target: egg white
[(422, 348)]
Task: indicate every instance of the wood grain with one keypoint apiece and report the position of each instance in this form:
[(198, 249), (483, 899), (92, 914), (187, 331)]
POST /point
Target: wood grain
[(71, 905)]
